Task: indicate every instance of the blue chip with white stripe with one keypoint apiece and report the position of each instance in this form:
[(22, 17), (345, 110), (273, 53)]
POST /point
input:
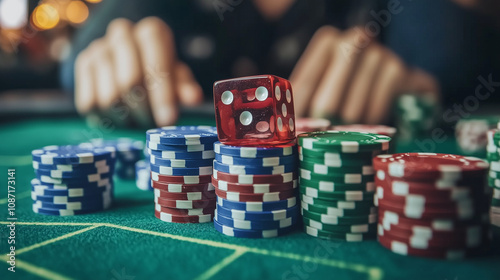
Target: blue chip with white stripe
[(65, 212), (182, 155), (255, 225), (180, 148), (92, 198), (247, 170), (81, 181), (39, 188), (181, 163), (255, 152), (61, 174), (172, 171), (76, 205), (259, 162), (274, 215), (258, 206), (75, 167), (73, 154), (182, 135), (143, 175), (66, 186), (245, 233)]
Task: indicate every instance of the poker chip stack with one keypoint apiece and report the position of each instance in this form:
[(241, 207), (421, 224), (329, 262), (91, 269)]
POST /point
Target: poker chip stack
[(416, 115), (311, 124), (181, 168), (471, 134), (493, 156), (128, 152), (72, 180), (337, 183), (256, 190), (432, 205), (376, 129)]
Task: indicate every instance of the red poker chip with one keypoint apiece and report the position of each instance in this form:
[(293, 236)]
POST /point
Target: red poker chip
[(311, 124), (376, 129), (185, 212), (185, 196), (184, 219), (253, 188), (202, 179), (430, 166), (431, 199), (403, 248), (255, 179), (419, 213), (182, 188), (255, 197), (185, 204)]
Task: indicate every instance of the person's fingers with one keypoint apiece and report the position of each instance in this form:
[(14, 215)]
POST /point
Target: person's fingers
[(155, 42), (102, 67), (188, 90), (357, 97), (85, 98), (311, 66), (390, 79), (422, 82), (330, 92)]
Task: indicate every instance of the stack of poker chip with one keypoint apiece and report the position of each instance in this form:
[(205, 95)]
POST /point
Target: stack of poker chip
[(493, 156), (181, 168), (337, 183), (471, 134), (376, 129), (72, 180), (256, 190), (128, 152), (432, 205), (415, 115)]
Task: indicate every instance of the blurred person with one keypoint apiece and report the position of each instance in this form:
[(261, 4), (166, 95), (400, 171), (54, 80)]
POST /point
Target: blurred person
[(344, 58)]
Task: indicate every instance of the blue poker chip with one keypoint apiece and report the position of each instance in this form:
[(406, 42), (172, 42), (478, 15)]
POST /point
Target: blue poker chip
[(259, 216), (73, 154), (65, 212), (143, 175), (244, 233), (91, 198), (247, 170), (92, 178), (74, 185), (84, 167), (76, 205), (172, 171), (182, 135), (60, 174), (39, 188), (180, 148), (258, 206), (181, 163), (182, 155), (255, 152), (256, 162), (255, 225)]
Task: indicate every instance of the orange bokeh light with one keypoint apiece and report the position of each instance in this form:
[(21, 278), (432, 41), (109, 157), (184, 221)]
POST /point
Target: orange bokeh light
[(45, 16), (93, 1), (77, 12)]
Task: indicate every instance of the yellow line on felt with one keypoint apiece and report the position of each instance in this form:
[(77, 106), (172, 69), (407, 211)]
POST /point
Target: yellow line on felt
[(374, 273), (19, 196), (12, 161), (220, 265), (46, 242), (38, 271)]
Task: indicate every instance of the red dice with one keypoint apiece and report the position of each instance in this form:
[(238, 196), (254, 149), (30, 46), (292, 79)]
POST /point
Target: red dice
[(254, 111)]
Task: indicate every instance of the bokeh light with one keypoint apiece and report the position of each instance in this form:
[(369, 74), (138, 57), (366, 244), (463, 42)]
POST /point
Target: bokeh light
[(13, 13), (93, 1), (77, 12), (45, 16)]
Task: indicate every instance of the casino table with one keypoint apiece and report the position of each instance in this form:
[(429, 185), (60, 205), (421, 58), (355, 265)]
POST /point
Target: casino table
[(128, 242)]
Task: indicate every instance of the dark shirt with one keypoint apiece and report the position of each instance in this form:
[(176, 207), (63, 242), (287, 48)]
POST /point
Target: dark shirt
[(230, 38)]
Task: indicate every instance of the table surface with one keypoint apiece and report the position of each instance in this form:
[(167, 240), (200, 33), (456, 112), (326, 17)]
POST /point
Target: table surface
[(128, 242)]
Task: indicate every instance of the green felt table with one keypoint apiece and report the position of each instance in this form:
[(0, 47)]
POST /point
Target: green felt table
[(128, 242)]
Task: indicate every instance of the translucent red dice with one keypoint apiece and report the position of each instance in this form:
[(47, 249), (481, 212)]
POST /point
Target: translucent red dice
[(254, 111)]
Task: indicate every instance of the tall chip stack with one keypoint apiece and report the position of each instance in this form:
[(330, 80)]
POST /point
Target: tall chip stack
[(493, 156), (337, 183), (416, 114), (181, 168), (128, 152), (432, 205), (72, 180), (256, 190)]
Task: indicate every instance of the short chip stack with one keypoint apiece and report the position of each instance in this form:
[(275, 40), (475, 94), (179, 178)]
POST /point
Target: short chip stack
[(128, 152), (493, 156), (72, 180), (256, 190), (432, 205), (181, 168), (337, 183), (415, 115)]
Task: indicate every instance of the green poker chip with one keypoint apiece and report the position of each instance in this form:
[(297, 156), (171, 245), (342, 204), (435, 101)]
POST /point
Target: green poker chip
[(328, 170), (336, 162), (344, 141), (495, 202), (332, 211), (329, 186), (346, 196), (336, 220), (361, 228), (349, 237), (343, 204), (337, 156), (347, 178), (494, 174)]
